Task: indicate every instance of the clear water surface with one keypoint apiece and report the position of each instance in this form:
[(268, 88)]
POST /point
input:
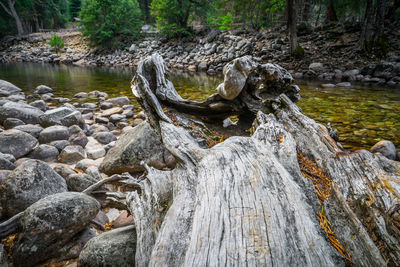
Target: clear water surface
[(363, 115)]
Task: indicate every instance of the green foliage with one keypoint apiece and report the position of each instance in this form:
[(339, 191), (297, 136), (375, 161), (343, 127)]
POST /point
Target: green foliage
[(74, 8), (172, 16), (221, 22), (225, 22), (56, 42), (299, 52), (257, 13), (107, 23), (397, 14)]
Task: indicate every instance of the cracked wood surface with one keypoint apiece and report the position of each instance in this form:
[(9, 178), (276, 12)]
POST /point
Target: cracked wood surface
[(246, 202)]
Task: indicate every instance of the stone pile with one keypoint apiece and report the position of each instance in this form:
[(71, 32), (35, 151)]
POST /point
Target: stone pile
[(50, 154)]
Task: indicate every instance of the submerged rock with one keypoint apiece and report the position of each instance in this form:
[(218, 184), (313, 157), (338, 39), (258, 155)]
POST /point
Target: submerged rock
[(50, 223), (29, 182), (113, 248), (43, 89)]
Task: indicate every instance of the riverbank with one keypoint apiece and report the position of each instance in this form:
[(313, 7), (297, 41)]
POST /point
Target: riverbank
[(330, 53), (72, 148)]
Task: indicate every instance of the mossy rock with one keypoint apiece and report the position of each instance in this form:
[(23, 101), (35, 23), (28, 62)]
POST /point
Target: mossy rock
[(299, 52)]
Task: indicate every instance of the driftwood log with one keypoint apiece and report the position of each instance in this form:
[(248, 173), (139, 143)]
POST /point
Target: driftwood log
[(286, 195)]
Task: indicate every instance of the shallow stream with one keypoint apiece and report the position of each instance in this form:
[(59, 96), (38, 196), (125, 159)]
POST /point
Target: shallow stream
[(363, 115)]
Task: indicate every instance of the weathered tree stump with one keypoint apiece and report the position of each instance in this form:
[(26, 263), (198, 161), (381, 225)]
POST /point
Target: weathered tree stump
[(285, 196)]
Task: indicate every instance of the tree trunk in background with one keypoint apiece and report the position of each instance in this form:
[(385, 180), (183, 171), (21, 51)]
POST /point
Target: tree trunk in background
[(392, 10), (292, 24), (145, 7), (330, 12), (36, 19), (379, 19), (306, 11), (13, 13), (367, 27)]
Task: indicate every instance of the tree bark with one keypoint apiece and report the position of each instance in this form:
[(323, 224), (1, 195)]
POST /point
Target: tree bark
[(306, 11), (331, 12), (13, 13), (367, 27), (292, 24), (286, 196), (379, 19)]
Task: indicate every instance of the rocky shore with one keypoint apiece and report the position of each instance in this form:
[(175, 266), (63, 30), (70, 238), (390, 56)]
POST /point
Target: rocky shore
[(50, 152), (330, 53)]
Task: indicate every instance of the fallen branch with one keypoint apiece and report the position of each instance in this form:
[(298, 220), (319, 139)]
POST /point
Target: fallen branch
[(10, 226)]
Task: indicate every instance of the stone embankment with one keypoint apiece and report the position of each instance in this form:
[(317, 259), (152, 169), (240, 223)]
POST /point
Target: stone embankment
[(330, 53)]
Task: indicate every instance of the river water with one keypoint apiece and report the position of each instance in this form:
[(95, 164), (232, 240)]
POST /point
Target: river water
[(363, 115)]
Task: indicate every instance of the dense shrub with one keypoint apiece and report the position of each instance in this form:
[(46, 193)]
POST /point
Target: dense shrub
[(108, 22), (56, 42)]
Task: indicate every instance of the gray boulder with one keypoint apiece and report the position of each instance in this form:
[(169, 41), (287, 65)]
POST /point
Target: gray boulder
[(79, 182), (104, 137), (113, 248), (135, 145), (44, 152), (12, 122), (50, 223), (63, 170), (61, 116), (116, 118), (6, 162), (316, 66), (40, 104), (72, 154), (3, 175), (7, 88), (77, 136), (119, 101), (386, 148), (8, 157), (16, 143), (43, 89), (52, 133), (29, 182), (22, 111), (94, 149), (60, 144), (31, 129)]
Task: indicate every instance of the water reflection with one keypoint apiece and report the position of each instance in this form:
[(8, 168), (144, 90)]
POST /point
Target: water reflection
[(363, 115)]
